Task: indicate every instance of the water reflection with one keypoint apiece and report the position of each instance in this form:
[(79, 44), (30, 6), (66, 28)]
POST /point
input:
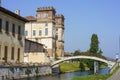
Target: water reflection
[(67, 76)]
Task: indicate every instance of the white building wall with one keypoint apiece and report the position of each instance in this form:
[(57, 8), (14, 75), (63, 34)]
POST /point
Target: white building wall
[(9, 40), (48, 43), (44, 39)]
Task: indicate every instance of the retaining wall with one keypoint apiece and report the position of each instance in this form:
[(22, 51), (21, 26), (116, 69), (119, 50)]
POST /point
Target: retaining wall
[(17, 72)]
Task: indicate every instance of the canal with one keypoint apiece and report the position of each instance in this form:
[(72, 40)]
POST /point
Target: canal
[(69, 75)]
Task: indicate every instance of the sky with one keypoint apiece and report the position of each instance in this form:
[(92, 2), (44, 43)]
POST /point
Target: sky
[(82, 19)]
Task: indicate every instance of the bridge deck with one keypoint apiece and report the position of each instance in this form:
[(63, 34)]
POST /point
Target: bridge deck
[(110, 63)]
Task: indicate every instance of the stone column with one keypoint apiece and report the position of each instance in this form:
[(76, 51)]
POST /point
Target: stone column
[(96, 67)]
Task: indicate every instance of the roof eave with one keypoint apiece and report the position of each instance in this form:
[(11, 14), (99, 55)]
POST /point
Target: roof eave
[(13, 14)]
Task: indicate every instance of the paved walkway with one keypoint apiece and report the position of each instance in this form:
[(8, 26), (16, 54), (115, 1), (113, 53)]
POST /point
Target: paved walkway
[(115, 76)]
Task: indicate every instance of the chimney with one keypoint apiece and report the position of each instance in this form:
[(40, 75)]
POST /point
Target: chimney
[(17, 12)]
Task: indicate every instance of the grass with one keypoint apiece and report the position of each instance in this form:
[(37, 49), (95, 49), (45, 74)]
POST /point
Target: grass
[(93, 77), (96, 77), (69, 67), (114, 71)]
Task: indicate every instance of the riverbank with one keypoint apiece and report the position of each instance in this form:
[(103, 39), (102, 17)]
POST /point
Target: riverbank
[(96, 77), (71, 67), (93, 77)]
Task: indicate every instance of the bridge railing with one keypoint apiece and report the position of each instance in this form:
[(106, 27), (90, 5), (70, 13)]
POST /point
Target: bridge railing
[(76, 57)]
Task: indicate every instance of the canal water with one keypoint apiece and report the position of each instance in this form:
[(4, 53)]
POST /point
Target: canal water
[(69, 75)]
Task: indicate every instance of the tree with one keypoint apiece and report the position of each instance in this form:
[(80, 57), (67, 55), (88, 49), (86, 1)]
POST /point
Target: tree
[(100, 51), (76, 53), (94, 46), (81, 66)]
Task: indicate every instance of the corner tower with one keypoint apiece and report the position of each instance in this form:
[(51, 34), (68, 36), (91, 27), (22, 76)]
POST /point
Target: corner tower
[(41, 28), (45, 14), (59, 20)]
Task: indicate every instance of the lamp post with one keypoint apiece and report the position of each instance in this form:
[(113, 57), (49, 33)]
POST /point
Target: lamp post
[(117, 57)]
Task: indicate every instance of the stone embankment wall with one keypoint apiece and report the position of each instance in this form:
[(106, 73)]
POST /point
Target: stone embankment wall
[(56, 69), (17, 72)]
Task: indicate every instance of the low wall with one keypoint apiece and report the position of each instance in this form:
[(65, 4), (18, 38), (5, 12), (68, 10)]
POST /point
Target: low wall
[(17, 72), (114, 67)]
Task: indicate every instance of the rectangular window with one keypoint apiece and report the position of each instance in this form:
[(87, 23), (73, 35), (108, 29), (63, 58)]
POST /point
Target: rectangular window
[(12, 53), (26, 33), (40, 32), (46, 31), (0, 25), (46, 15), (19, 30), (34, 32), (0, 51), (18, 56), (5, 53), (46, 24), (13, 29), (19, 33), (41, 15), (7, 27), (56, 37)]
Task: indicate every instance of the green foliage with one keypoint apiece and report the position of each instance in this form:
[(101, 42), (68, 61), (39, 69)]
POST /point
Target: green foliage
[(56, 56), (27, 71), (98, 77), (94, 46), (93, 51), (76, 53), (11, 69), (69, 66), (90, 64), (88, 53), (37, 70), (100, 51), (92, 77), (82, 67), (21, 69)]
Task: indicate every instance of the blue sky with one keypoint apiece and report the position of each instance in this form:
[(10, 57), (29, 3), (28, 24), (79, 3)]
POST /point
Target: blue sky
[(82, 19)]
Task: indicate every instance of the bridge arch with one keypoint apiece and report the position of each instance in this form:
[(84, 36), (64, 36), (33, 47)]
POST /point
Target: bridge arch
[(110, 63)]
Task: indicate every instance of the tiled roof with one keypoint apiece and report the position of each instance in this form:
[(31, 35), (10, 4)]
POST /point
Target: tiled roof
[(6, 11), (67, 54), (30, 18)]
